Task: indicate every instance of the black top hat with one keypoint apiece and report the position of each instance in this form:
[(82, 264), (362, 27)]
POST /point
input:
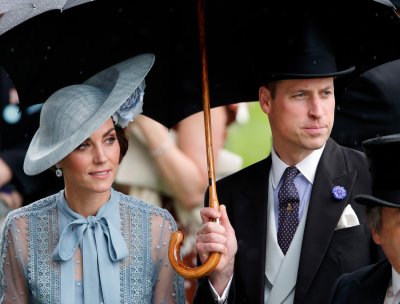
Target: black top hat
[(369, 107), (383, 155), (300, 49)]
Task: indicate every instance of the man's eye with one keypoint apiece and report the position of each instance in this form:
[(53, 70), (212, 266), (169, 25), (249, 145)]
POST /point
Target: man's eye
[(299, 94)]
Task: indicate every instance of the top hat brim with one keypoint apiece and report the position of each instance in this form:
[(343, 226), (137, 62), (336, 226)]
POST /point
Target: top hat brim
[(373, 201), (285, 76)]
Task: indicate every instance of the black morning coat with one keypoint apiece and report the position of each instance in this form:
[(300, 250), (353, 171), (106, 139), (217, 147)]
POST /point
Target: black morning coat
[(326, 253)]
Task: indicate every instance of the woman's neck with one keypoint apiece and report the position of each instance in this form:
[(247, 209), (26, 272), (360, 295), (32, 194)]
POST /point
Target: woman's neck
[(86, 204)]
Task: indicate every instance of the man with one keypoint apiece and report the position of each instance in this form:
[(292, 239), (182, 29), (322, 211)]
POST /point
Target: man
[(378, 283), (297, 229)]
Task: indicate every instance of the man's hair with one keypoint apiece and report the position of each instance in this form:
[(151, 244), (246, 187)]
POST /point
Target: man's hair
[(374, 217), (271, 86)]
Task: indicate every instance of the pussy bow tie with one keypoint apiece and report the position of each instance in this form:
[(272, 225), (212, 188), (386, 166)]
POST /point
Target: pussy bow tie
[(75, 232), (100, 241)]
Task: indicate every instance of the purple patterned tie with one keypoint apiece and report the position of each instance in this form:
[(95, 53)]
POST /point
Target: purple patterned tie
[(288, 209)]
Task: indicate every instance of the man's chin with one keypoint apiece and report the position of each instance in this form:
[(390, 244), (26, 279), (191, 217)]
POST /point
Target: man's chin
[(316, 143)]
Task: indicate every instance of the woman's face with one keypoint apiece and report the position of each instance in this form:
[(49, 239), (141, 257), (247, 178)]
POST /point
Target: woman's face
[(92, 166)]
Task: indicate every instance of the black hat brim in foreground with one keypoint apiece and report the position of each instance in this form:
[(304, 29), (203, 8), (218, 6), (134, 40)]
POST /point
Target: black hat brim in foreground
[(372, 201)]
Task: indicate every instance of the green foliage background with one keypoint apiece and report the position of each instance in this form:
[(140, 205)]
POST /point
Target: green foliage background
[(252, 140)]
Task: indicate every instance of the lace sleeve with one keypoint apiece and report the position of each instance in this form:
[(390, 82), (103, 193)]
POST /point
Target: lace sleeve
[(168, 285), (13, 287)]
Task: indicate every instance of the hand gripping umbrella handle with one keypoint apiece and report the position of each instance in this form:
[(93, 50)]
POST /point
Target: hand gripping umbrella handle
[(177, 237), (174, 247)]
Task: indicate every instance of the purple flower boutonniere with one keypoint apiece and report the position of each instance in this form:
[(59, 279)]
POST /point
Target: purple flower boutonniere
[(339, 193)]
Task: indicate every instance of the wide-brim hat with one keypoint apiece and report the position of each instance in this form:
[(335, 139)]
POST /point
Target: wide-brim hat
[(72, 114), (383, 156), (300, 49)]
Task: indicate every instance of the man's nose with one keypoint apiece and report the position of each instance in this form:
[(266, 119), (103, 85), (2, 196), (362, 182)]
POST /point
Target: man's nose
[(316, 107)]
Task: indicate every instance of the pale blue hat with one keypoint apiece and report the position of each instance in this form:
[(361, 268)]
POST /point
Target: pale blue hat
[(72, 114)]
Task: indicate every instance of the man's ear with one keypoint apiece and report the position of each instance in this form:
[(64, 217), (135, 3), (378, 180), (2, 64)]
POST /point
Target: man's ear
[(264, 97), (376, 236)]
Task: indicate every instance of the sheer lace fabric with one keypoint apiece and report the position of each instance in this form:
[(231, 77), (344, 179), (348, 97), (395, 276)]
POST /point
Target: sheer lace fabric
[(29, 272)]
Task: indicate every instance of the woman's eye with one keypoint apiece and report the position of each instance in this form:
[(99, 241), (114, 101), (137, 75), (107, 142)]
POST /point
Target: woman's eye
[(112, 139), (82, 146)]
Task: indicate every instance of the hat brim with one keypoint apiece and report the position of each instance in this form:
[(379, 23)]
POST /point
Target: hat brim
[(124, 77), (286, 76), (373, 201)]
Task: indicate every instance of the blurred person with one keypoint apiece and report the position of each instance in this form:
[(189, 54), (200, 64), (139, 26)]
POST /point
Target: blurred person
[(17, 125), (380, 282), (293, 227), (88, 243)]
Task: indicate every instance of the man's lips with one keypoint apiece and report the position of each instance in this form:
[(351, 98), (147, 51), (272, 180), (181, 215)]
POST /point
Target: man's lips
[(314, 129)]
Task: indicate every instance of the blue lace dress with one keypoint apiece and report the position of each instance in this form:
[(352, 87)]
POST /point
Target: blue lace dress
[(50, 254)]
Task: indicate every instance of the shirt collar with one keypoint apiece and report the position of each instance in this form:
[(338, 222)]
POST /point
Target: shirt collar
[(307, 167), (395, 281)]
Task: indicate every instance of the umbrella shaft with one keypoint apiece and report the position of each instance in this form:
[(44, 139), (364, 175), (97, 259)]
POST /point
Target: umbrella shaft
[(206, 105)]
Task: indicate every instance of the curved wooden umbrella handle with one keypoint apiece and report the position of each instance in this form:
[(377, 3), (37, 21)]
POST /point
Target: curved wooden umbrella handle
[(177, 237), (175, 245), (181, 268)]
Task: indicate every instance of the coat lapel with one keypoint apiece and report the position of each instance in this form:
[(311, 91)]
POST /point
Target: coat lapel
[(323, 214)]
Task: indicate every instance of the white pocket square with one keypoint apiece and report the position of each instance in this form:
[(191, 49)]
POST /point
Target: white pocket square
[(347, 219)]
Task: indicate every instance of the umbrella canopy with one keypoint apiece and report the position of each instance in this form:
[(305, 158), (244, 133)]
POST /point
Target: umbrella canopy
[(57, 49), (14, 12)]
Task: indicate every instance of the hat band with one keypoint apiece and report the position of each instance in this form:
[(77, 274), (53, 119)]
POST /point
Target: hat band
[(390, 196)]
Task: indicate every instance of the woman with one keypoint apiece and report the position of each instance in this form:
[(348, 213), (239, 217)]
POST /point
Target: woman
[(88, 243)]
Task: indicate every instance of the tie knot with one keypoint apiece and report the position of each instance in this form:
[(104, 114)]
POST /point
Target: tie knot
[(290, 173), (92, 221)]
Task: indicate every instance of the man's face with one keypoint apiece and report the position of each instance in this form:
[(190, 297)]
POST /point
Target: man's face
[(301, 116), (389, 235)]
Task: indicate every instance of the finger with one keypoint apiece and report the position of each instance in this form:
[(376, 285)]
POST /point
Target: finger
[(211, 238), (204, 249), (224, 218), (208, 214), (212, 227)]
